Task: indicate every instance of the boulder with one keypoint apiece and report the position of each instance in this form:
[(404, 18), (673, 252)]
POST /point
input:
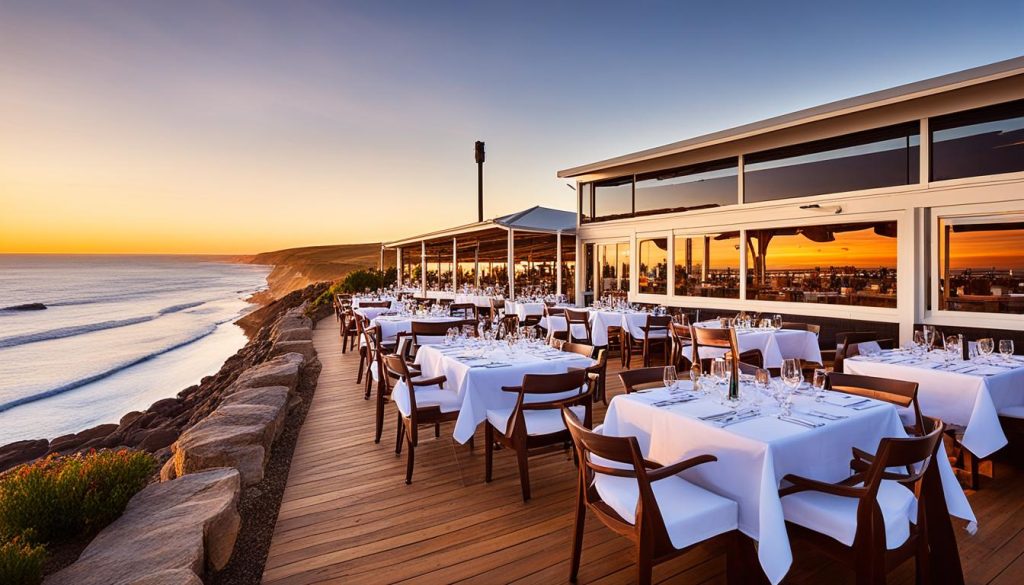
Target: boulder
[(21, 451), (283, 370), (129, 418), (171, 532), (295, 334), (305, 348), (72, 442), (235, 435), (169, 407), (155, 439), (276, 396)]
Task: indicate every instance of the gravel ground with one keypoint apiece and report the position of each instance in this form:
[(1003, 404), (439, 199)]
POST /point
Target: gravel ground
[(259, 504)]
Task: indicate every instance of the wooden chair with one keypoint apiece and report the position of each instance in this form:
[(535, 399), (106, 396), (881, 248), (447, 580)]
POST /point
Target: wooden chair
[(463, 310), (681, 345), (349, 329), (897, 392), (506, 326), (617, 484), (576, 322), (655, 332), (598, 372), (557, 313), (724, 338), (815, 329), (846, 346), (642, 379), (375, 304), (536, 426), (361, 323), (431, 332), (864, 520), (420, 402)]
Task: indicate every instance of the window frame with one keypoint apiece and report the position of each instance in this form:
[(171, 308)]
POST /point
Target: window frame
[(931, 121)]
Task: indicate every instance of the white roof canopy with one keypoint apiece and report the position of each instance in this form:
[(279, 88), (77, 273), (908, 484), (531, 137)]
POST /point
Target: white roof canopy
[(536, 219)]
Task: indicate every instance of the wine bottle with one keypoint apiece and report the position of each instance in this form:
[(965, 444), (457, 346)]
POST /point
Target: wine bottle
[(734, 380), (965, 350)]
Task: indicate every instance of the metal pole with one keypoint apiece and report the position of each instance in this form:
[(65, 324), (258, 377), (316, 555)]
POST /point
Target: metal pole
[(455, 265), (476, 265), (479, 152), (423, 267), (558, 263), (511, 265)]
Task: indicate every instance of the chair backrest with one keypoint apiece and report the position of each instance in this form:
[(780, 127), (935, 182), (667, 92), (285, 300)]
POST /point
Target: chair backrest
[(815, 329), (724, 338), (575, 317), (464, 310), (371, 337), (846, 345), (431, 332), (508, 325), (656, 323), (375, 304), (681, 339), (641, 378), (898, 392), (624, 451), (580, 348), (547, 392)]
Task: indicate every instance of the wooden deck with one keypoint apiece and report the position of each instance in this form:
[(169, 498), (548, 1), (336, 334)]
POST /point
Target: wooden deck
[(347, 515)]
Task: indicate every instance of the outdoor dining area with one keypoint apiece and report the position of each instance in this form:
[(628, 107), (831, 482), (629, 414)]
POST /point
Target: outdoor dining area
[(737, 433)]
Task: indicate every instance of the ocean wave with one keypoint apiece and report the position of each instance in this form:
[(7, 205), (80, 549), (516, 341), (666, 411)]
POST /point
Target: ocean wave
[(62, 332), (109, 372), (181, 307)]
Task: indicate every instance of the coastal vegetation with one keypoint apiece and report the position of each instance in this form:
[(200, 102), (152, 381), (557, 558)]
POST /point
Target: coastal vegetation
[(61, 498), (358, 281)]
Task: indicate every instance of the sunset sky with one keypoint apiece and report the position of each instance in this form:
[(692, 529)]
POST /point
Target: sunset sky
[(240, 127)]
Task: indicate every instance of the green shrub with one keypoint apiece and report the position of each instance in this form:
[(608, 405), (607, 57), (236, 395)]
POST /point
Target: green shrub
[(356, 282), (58, 498), (21, 562)]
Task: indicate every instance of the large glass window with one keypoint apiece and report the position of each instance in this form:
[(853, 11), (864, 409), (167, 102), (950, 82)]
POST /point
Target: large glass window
[(614, 198), (986, 141), (877, 158), (840, 264), (612, 269), (586, 191), (652, 266), (694, 187), (708, 265), (981, 267)]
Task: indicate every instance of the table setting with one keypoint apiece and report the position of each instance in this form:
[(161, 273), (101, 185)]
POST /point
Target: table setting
[(767, 335), (478, 368), (969, 393), (774, 427)]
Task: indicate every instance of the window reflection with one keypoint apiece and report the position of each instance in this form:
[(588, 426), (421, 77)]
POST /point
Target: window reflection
[(652, 266), (708, 265), (986, 141), (841, 264), (613, 269), (982, 268), (877, 158), (701, 186), (613, 199)]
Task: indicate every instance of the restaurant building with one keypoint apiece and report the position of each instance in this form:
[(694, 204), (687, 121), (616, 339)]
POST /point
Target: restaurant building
[(884, 211)]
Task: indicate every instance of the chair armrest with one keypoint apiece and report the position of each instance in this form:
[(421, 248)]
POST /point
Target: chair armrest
[(801, 484), (435, 381), (512, 389), (670, 470)]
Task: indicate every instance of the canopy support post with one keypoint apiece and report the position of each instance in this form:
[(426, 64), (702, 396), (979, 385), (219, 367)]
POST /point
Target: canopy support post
[(558, 263), (511, 265), (476, 265), (423, 268), (455, 265), (400, 266)]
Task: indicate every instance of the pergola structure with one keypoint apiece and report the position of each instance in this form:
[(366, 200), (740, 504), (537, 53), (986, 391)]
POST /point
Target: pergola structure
[(538, 243)]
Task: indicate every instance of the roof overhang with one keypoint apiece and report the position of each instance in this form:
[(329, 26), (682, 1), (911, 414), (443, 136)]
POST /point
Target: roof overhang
[(902, 93), (538, 220)]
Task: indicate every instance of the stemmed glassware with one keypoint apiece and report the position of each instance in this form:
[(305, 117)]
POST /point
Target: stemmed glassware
[(986, 346), (1006, 349), (818, 382), (777, 321), (671, 378), (718, 376)]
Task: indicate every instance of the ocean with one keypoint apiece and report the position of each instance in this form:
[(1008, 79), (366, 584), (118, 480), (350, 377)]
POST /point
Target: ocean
[(118, 333)]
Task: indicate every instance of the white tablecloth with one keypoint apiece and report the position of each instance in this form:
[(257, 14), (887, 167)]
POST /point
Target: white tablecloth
[(391, 326), (480, 388), (523, 309), (478, 300), (753, 456), (971, 400), (358, 302), (601, 320), (372, 313), (775, 345)]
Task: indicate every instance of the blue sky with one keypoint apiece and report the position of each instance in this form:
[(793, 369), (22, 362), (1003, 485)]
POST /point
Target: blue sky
[(247, 126)]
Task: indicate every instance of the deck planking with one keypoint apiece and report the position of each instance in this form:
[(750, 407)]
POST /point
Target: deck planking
[(347, 515)]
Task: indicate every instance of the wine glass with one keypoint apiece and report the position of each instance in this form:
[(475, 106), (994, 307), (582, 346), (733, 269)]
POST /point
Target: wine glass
[(671, 378), (777, 321), (1006, 348), (919, 343), (791, 373), (818, 382), (986, 346), (718, 369)]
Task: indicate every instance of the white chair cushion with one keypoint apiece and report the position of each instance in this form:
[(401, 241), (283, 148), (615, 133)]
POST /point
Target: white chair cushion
[(426, 396), (656, 334), (836, 516), (691, 513), (538, 422)]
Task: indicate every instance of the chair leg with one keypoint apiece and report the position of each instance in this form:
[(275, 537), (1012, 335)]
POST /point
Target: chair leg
[(524, 472), (362, 366), (401, 431), (410, 463), (380, 416), (437, 430), (644, 565), (647, 353), (488, 451), (577, 539)]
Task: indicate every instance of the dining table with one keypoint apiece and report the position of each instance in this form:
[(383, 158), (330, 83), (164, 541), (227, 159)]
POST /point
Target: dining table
[(969, 394), (756, 447), (478, 370), (775, 345), (602, 319), (392, 325)]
